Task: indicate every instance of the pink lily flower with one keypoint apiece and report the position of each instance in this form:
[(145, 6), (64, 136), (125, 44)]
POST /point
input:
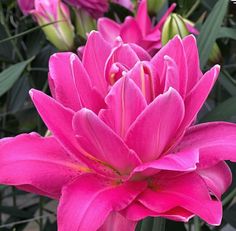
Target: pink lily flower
[(26, 6), (122, 147), (138, 30)]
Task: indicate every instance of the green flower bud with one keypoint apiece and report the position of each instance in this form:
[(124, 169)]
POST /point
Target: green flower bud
[(215, 55), (174, 25)]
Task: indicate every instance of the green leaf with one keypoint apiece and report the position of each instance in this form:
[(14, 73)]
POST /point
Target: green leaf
[(210, 30), (227, 81), (6, 48), (226, 111), (9, 76), (226, 32)]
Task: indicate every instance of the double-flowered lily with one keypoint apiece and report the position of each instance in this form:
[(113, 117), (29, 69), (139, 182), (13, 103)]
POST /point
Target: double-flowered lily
[(124, 145)]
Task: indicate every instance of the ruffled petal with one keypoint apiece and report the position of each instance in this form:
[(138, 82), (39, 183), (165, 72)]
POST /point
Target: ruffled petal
[(121, 111), (152, 132), (97, 138), (215, 141), (95, 54), (187, 191), (175, 50), (116, 222), (198, 95), (218, 178), (36, 164), (109, 29), (62, 82), (180, 161), (87, 202)]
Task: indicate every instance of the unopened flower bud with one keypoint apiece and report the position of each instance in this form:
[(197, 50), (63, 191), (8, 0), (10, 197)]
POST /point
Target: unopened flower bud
[(174, 25), (61, 32)]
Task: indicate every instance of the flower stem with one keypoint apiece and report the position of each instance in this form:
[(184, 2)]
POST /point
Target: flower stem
[(229, 197), (159, 224), (197, 225)]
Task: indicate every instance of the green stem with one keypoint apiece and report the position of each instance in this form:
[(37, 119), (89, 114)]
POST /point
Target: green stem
[(193, 8), (197, 225), (14, 196), (159, 224), (229, 197), (41, 204)]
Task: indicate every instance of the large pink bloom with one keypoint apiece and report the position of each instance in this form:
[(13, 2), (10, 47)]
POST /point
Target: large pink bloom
[(137, 30), (122, 148)]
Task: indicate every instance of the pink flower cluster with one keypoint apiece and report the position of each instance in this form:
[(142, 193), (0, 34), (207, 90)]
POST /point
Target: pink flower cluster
[(122, 146)]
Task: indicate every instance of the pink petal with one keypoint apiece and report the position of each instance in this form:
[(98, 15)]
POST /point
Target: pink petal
[(172, 74), (87, 202), (140, 52), (180, 161), (188, 191), (97, 138), (198, 95), (142, 18), (31, 162), (218, 178), (175, 50), (215, 141), (61, 127), (116, 222), (121, 111), (156, 126), (89, 97), (96, 52), (130, 31), (136, 211), (191, 51), (145, 76), (122, 56), (108, 28), (62, 82)]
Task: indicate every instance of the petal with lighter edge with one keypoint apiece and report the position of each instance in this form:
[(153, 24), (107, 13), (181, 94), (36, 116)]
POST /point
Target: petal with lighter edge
[(97, 138), (215, 141), (175, 50), (145, 76), (89, 97), (143, 19), (87, 202), (181, 161), (108, 28), (61, 127), (218, 178), (116, 222), (124, 55), (136, 211), (198, 95), (188, 191), (130, 31), (121, 112), (31, 162), (152, 132), (191, 51), (95, 54), (62, 81)]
